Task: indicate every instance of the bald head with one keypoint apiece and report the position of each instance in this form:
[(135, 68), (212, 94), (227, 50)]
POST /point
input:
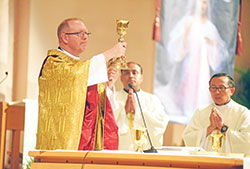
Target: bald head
[(72, 36), (64, 26)]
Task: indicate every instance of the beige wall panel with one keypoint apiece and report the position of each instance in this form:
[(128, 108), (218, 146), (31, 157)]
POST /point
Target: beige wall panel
[(21, 49)]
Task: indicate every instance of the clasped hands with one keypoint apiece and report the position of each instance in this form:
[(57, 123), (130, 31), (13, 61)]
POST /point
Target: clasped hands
[(216, 121), (130, 105)]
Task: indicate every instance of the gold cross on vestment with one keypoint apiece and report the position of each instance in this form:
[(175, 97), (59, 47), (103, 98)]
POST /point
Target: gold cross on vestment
[(131, 119)]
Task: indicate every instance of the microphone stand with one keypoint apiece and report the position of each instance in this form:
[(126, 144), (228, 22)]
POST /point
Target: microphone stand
[(152, 149)]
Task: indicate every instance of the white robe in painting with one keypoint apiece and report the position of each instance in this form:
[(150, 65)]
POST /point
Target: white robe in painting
[(197, 52)]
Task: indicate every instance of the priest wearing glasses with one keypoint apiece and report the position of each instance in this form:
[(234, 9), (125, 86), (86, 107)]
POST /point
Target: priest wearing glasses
[(225, 115), (75, 103)]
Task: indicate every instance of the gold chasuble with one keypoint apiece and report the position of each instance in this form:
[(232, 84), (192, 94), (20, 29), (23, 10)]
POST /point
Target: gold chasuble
[(62, 95)]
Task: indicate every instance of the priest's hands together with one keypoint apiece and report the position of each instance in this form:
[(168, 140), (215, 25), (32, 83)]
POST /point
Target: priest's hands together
[(130, 102), (216, 121)]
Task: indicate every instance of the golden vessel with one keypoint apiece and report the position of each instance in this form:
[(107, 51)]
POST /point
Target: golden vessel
[(139, 138), (120, 62), (216, 139)]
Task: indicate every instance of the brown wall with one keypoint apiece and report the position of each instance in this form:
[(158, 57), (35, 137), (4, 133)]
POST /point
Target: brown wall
[(21, 48)]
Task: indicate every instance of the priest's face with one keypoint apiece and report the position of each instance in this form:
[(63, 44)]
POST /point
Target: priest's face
[(75, 37), (220, 90), (133, 76)]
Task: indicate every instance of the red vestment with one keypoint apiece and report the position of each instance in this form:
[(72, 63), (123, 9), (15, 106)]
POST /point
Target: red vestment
[(110, 128)]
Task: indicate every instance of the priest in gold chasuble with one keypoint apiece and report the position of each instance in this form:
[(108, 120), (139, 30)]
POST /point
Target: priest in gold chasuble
[(62, 96), (75, 112)]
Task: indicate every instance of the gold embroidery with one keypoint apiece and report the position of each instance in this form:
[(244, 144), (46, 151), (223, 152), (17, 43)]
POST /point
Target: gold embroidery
[(62, 96), (100, 117)]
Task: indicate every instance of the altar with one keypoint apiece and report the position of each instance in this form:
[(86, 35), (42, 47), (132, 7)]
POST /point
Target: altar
[(131, 160)]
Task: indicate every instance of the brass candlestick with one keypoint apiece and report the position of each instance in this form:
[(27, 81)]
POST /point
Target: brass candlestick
[(120, 62), (216, 139)]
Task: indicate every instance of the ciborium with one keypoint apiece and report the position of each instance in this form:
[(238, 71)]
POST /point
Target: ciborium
[(139, 138), (120, 62), (216, 139)]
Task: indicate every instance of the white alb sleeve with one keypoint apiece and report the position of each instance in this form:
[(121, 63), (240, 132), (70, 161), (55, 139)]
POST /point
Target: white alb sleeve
[(97, 70), (112, 97)]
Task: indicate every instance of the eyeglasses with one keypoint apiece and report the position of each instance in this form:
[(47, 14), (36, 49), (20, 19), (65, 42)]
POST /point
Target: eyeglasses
[(80, 34), (221, 88)]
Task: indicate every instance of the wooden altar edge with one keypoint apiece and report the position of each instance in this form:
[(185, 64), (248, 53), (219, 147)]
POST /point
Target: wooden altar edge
[(90, 166), (233, 155), (118, 160)]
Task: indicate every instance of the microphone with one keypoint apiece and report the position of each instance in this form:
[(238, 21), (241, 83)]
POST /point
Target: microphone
[(6, 75), (152, 149)]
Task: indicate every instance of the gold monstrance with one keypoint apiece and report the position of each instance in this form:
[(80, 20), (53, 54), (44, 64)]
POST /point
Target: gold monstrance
[(120, 62)]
